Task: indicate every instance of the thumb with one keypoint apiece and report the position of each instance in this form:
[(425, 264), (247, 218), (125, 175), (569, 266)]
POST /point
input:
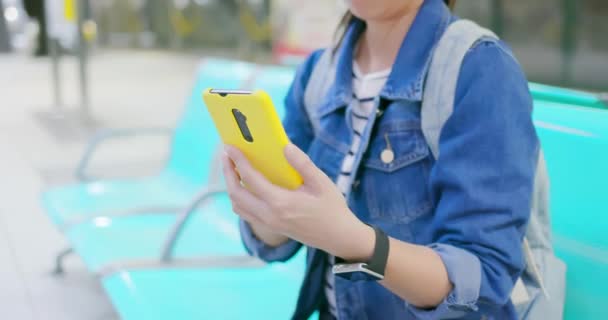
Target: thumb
[(300, 161)]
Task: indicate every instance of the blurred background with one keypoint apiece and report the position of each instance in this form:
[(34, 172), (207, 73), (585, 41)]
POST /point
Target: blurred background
[(559, 42), (69, 68)]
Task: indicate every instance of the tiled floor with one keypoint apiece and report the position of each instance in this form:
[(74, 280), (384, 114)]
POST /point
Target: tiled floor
[(27, 245), (128, 89)]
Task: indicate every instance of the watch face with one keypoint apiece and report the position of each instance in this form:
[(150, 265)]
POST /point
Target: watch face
[(356, 272)]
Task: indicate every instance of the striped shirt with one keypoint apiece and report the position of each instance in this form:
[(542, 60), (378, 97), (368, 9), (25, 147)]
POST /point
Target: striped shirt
[(365, 89)]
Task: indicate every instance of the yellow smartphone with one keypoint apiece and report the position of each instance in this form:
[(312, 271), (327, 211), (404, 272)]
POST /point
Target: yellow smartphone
[(249, 121)]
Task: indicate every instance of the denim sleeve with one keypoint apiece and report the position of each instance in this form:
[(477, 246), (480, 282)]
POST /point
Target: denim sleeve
[(258, 248), (482, 182), (299, 130)]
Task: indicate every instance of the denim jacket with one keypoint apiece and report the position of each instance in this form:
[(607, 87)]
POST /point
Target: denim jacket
[(471, 205)]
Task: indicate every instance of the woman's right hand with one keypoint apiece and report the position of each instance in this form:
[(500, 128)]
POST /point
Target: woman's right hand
[(264, 234), (315, 214)]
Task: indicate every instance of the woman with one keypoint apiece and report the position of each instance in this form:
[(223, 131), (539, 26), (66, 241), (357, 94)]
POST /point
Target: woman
[(445, 234)]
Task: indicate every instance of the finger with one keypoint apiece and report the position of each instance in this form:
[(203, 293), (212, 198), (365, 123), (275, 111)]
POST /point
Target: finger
[(230, 175), (300, 161), (254, 180), (240, 196)]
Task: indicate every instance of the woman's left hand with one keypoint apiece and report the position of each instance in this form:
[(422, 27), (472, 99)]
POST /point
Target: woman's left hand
[(315, 214)]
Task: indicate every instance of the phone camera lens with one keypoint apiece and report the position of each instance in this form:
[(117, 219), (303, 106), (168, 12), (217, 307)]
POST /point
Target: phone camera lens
[(241, 121)]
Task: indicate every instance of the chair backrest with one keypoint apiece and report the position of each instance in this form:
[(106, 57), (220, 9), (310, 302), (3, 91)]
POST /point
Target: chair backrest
[(275, 80), (195, 138), (567, 96), (575, 142)]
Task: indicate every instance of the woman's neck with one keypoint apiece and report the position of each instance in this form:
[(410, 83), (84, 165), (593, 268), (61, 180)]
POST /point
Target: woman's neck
[(380, 42)]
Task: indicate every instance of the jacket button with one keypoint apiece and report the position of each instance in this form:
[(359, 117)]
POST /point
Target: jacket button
[(356, 183), (387, 156)]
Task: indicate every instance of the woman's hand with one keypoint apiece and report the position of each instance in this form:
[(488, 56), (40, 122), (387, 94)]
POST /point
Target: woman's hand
[(315, 214)]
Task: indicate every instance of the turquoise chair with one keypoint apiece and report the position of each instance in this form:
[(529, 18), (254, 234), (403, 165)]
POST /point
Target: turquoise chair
[(575, 142), (174, 186), (105, 240), (165, 259)]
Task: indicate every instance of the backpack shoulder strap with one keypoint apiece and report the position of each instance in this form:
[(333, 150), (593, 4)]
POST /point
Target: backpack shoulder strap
[(321, 79), (442, 77)]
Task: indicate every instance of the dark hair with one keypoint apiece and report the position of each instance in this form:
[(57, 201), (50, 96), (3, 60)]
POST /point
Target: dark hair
[(450, 3), (348, 17)]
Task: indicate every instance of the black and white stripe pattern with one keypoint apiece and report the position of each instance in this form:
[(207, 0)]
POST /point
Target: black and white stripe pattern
[(366, 88)]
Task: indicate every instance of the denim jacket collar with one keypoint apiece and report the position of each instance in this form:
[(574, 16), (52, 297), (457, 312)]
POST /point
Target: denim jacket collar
[(407, 77)]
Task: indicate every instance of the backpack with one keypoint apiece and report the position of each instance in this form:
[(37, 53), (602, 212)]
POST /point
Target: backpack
[(540, 291)]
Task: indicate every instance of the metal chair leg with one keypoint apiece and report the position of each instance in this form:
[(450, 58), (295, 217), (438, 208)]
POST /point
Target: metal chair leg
[(59, 270)]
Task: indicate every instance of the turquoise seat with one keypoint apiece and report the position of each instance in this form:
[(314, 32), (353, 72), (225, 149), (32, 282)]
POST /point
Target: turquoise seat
[(106, 241), (76, 203), (268, 292), (186, 170), (575, 142)]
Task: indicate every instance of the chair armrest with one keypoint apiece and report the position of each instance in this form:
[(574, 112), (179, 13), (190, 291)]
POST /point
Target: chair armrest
[(105, 135), (178, 227), (167, 259), (211, 262)]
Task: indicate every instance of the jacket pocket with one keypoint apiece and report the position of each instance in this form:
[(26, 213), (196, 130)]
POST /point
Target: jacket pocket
[(396, 185)]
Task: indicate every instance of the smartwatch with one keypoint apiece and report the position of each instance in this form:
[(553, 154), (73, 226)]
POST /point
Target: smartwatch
[(372, 270)]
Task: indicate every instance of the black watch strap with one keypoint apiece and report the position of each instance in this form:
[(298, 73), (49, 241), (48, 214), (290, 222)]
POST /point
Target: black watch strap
[(378, 261)]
